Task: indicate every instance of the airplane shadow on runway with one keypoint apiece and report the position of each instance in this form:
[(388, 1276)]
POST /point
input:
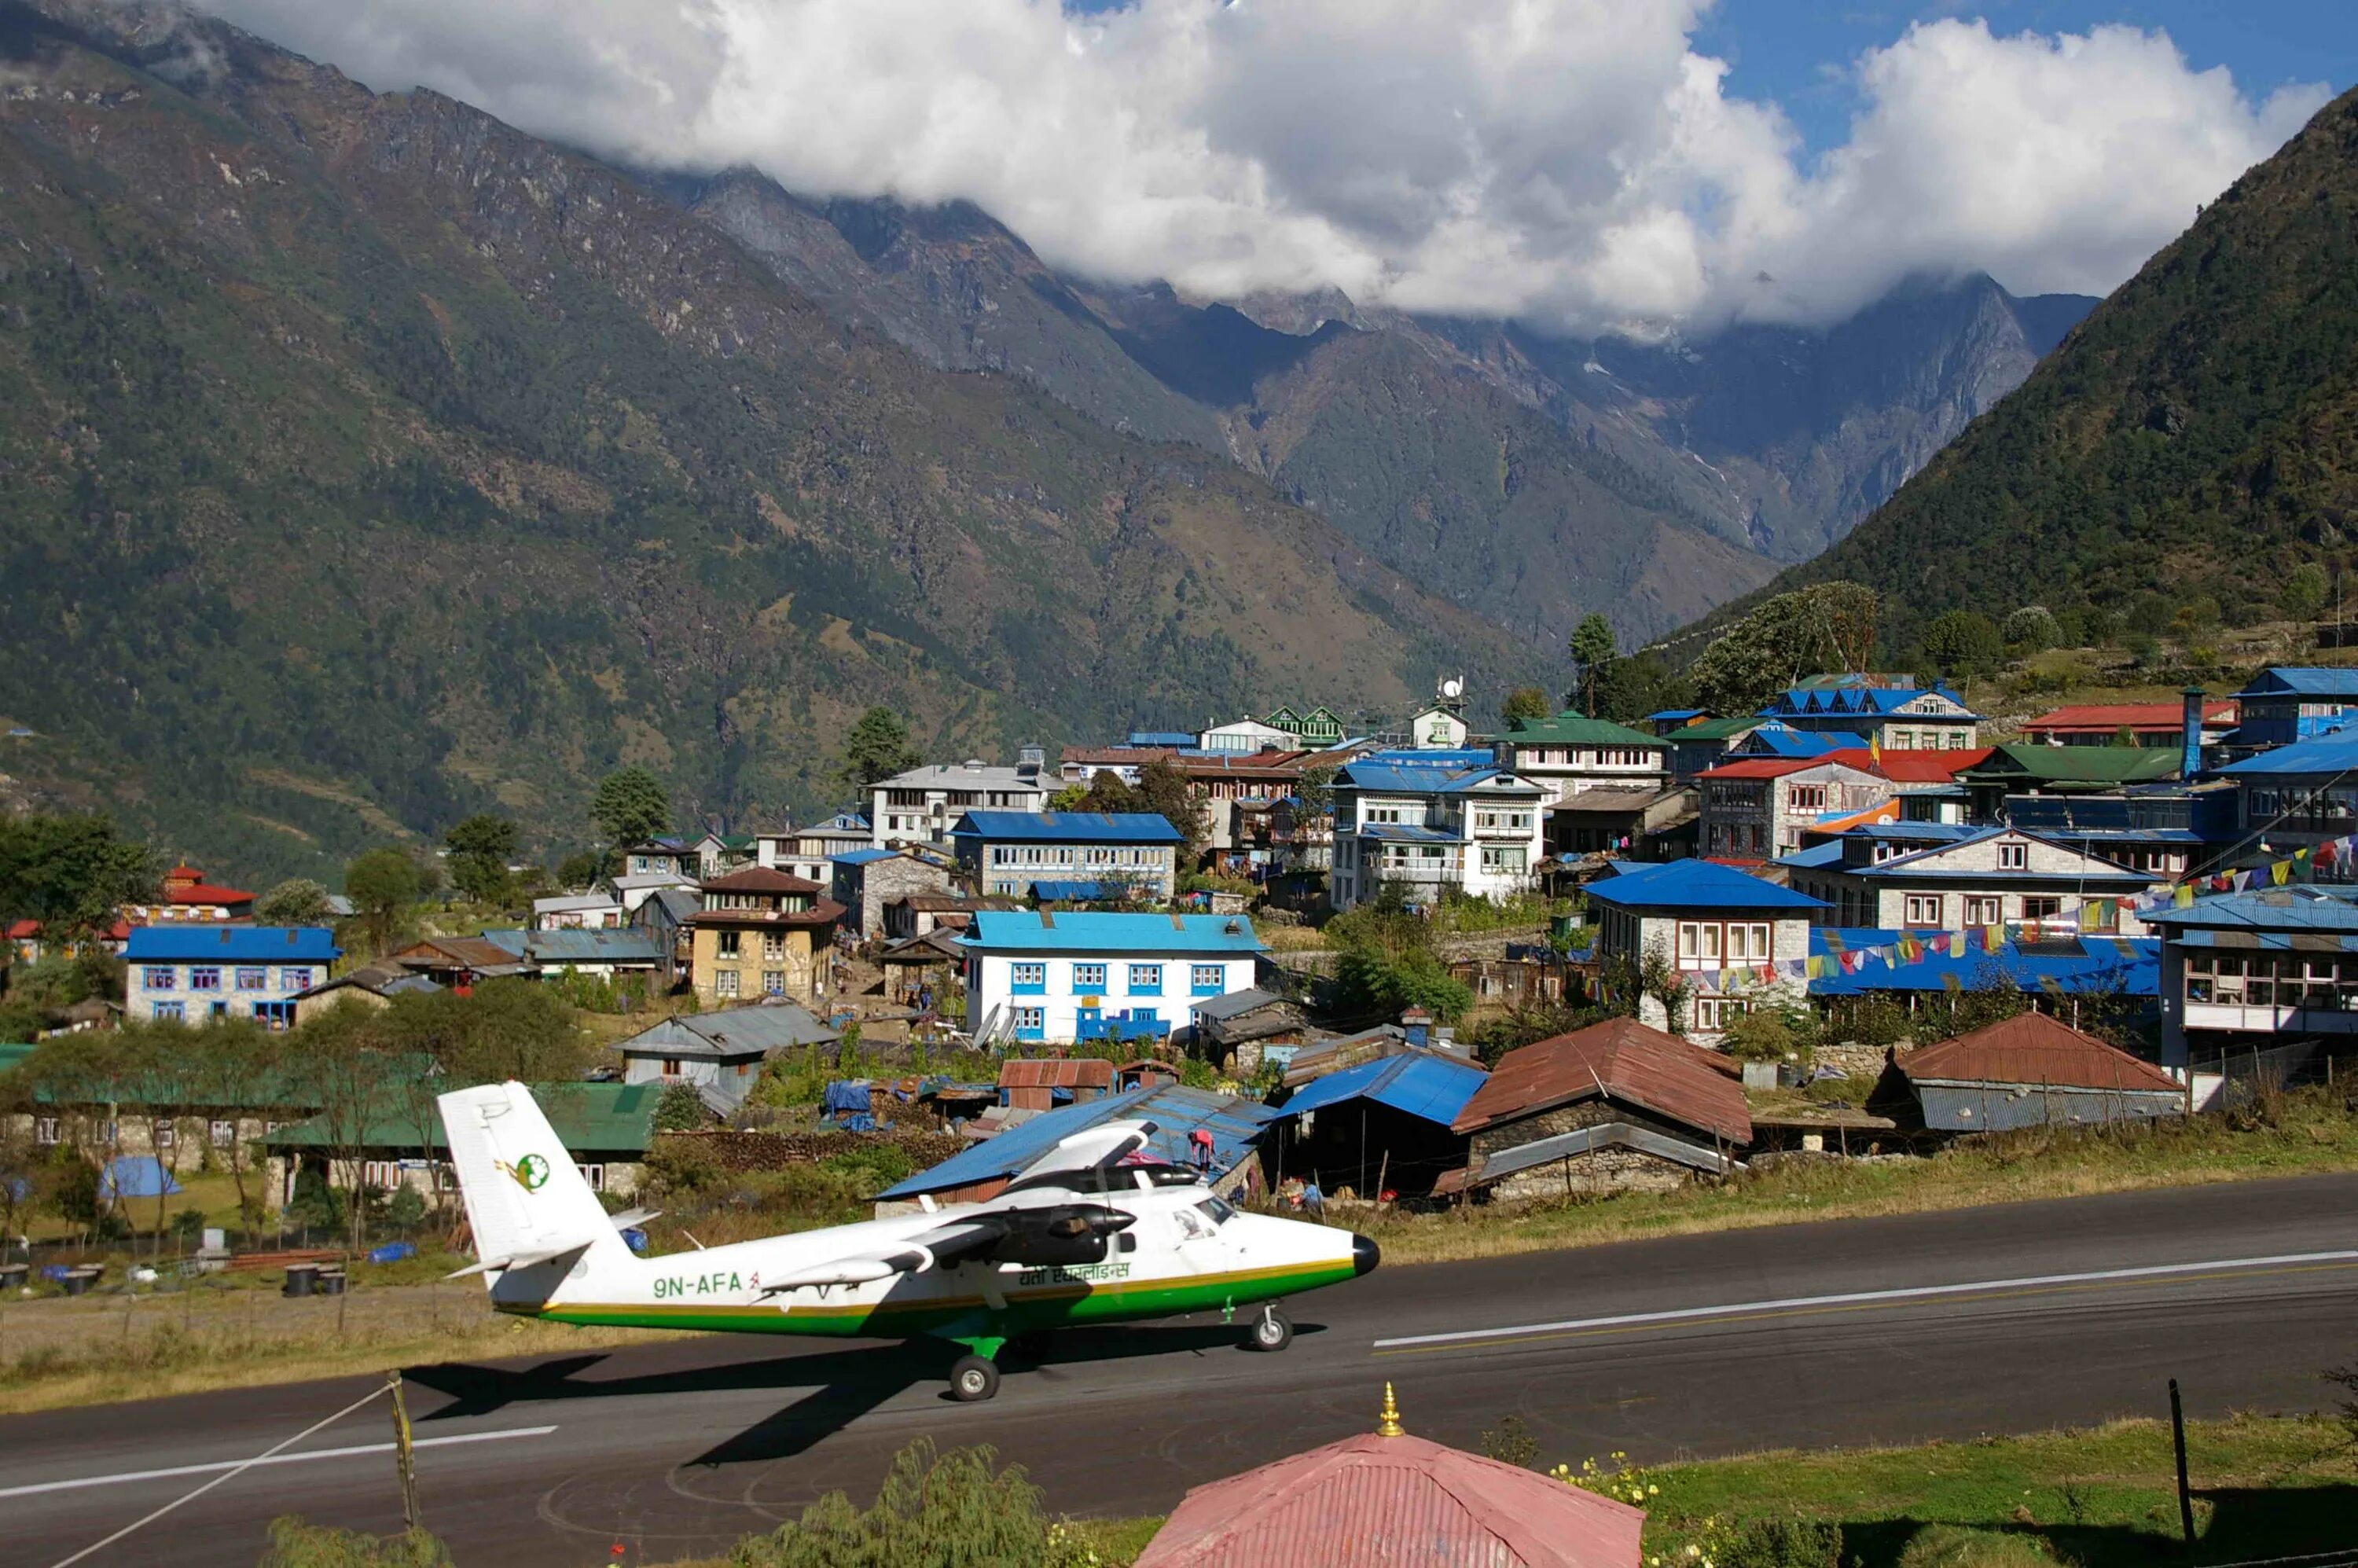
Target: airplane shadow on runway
[(845, 1384)]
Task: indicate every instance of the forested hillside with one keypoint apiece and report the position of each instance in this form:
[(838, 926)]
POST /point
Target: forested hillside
[(2194, 440), (364, 461)]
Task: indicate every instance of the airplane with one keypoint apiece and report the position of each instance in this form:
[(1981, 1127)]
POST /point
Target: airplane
[(1086, 1233)]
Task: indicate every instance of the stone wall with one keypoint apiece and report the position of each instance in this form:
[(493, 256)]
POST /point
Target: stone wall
[(1605, 1170)]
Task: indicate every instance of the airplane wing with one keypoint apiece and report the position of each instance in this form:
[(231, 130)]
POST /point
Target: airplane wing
[(1105, 1145), (941, 1248)]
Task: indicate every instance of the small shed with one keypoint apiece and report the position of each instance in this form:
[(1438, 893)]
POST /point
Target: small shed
[(1030, 1083), (918, 970), (722, 1054), (1253, 1025), (1386, 1499), (1382, 1126), (2027, 1070), (1616, 1107)]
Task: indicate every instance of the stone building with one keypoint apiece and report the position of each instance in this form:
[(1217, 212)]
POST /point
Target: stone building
[(759, 934), (1616, 1107), (866, 881)]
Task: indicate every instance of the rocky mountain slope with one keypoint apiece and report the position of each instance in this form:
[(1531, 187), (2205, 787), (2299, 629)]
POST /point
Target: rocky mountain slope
[(1530, 478), (2195, 438), (364, 461)]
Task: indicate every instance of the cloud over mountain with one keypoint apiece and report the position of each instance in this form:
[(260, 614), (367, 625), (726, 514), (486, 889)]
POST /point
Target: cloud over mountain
[(1573, 161)]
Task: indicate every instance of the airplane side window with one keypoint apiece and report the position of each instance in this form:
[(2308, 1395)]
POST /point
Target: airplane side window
[(1125, 1242)]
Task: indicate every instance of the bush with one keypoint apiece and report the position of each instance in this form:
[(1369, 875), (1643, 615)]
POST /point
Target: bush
[(681, 1108), (874, 1167), (684, 1165), (296, 1544), (2032, 629), (1946, 1546), (950, 1510), (1783, 1544), (1770, 1035)]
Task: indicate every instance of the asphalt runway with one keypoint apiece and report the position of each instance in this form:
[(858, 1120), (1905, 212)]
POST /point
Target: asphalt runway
[(2005, 1319)]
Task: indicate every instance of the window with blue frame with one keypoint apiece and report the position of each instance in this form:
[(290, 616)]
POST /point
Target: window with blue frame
[(1027, 979), (159, 976), (294, 978), (1030, 1024), (1208, 980), (254, 979), (275, 1015), (204, 978), (170, 1012), (1088, 977), (1146, 979)]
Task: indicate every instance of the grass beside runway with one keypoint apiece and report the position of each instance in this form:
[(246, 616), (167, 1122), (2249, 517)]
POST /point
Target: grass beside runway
[(2311, 1131)]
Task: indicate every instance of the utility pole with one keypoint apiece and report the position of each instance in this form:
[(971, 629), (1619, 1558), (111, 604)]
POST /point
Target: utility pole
[(405, 1465), (2178, 1439)]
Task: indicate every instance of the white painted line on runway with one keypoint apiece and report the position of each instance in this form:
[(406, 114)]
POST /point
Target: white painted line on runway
[(1914, 1292), (353, 1451)]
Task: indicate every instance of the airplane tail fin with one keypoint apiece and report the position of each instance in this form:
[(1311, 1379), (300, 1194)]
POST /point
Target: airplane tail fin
[(532, 1211)]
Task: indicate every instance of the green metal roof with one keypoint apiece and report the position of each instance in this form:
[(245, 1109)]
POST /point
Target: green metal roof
[(1575, 730), (12, 1054), (1712, 729), (2077, 764), (599, 1118)]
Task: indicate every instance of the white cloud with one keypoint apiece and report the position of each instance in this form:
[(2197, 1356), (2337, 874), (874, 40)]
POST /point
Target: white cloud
[(1570, 160)]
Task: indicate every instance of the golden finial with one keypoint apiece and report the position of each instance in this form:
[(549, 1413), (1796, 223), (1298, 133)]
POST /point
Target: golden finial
[(1388, 1419)]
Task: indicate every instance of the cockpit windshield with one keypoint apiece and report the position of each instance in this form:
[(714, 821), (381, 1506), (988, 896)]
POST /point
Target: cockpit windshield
[(1216, 1210)]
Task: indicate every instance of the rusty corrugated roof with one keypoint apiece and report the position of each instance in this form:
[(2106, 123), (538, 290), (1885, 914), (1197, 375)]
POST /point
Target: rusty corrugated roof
[(2032, 1048), (1371, 1500), (1623, 1059), (1056, 1073)]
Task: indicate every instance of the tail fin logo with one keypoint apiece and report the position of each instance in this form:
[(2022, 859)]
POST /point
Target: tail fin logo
[(531, 1172)]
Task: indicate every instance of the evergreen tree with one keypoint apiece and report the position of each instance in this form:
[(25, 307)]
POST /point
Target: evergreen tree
[(631, 806), (1592, 647), (1524, 702), (480, 848), (381, 884), (877, 748)]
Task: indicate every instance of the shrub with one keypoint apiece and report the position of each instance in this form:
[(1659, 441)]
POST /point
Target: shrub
[(1770, 1035), (1783, 1544), (296, 1544), (946, 1510), (684, 1165), (681, 1108), (1946, 1546)]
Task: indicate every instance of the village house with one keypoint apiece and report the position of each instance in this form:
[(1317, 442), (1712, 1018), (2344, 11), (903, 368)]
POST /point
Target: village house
[(1066, 976), (1315, 730), (188, 973), (1900, 711), (1383, 1126), (1248, 1028), (2243, 972), (1571, 753), (189, 898), (1758, 807), (2021, 768), (2029, 1070), (1926, 783), (1440, 728), (456, 963), (1246, 735), (1698, 742), (2026, 884), (664, 855), (761, 933), (1618, 1106), (922, 805), (371, 985), (919, 970), (2286, 705), (2164, 831), (2132, 723), (1702, 920), (922, 914), (603, 955), (632, 889), (1129, 856), (720, 1054), (1301, 835), (2299, 795), (866, 883), (806, 852), (1433, 822), (579, 911)]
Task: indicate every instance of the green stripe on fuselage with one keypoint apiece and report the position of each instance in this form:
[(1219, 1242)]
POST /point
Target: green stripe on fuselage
[(1112, 1302)]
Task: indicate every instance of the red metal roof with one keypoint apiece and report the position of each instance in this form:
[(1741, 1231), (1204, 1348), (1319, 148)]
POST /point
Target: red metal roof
[(1777, 767), (1623, 1059), (2032, 1048), (23, 930), (2151, 715), (198, 892), (1371, 1500), (759, 879), (1056, 1073), (1931, 767)]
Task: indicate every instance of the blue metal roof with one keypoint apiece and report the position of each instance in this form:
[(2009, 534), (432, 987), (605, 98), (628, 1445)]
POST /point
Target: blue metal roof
[(1034, 931), (1405, 833), (2295, 908), (1829, 853), (2335, 754), (1398, 778), (2303, 681), (193, 944), (862, 857), (1924, 832), (1068, 826), (1433, 1088), (1678, 713), (1236, 1126), (1696, 885), (2130, 965), (1779, 741)]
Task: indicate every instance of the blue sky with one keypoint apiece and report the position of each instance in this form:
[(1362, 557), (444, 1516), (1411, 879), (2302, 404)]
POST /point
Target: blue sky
[(1793, 51)]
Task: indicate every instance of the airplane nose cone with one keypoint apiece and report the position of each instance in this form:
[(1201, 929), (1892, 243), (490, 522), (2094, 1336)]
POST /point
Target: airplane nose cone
[(1364, 1255)]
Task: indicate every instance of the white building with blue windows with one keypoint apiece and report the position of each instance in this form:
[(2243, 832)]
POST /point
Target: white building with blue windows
[(191, 974), (1063, 976)]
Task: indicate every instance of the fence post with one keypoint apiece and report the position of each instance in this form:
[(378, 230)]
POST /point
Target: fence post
[(404, 1463), (2177, 1440)]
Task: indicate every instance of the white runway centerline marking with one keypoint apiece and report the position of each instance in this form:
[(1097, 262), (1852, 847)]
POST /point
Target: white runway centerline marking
[(1850, 1298), (353, 1451)]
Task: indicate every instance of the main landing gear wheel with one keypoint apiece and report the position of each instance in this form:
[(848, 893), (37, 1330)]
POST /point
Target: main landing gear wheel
[(973, 1378), (1272, 1330)]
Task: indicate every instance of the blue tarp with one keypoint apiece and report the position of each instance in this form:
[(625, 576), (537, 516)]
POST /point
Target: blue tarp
[(1433, 1088), (844, 1096), (2079, 965), (392, 1252), (135, 1176)]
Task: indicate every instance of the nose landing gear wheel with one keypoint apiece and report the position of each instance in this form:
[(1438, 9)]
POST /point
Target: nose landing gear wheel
[(1272, 1330), (972, 1379)]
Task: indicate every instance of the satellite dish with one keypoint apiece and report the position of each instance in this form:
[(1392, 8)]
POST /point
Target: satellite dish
[(1453, 688)]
